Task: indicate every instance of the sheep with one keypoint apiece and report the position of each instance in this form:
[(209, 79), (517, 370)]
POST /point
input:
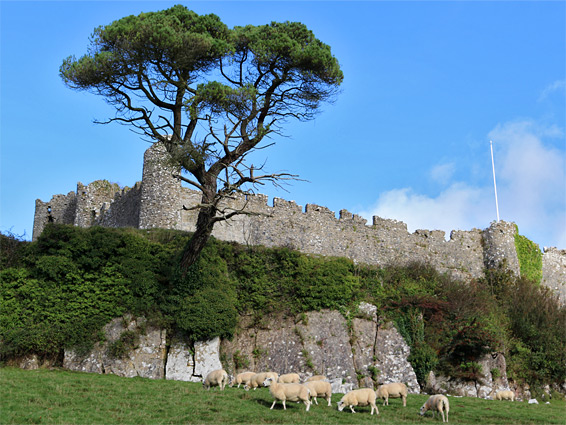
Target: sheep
[(243, 378), (361, 397), (436, 403), (216, 378), (505, 395), (394, 390), (257, 380), (289, 378), (291, 392), (316, 378), (320, 389)]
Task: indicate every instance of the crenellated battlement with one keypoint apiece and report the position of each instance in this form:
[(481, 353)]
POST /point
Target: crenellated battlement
[(157, 202)]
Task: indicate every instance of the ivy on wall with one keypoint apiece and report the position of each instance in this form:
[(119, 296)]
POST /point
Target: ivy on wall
[(530, 258)]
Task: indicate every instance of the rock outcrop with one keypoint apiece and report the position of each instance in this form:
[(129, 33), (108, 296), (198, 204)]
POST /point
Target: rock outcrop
[(487, 381), (143, 354), (356, 352)]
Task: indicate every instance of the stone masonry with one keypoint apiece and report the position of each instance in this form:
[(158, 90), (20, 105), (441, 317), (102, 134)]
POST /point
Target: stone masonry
[(158, 200)]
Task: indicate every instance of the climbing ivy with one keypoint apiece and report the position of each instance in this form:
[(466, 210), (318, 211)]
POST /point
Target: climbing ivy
[(530, 258)]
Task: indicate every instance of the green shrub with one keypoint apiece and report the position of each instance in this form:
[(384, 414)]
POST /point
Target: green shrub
[(241, 361), (122, 346), (60, 291)]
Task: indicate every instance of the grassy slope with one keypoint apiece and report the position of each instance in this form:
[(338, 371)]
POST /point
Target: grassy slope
[(63, 397)]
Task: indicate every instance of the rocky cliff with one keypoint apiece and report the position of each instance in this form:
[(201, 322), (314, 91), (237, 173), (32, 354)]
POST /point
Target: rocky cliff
[(360, 352)]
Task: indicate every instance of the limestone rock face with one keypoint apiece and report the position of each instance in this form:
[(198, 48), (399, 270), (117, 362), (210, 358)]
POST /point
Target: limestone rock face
[(33, 362), (350, 356), (146, 359), (187, 364), (392, 354), (482, 388)]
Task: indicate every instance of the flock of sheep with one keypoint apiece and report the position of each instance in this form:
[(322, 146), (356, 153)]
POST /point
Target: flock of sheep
[(287, 387)]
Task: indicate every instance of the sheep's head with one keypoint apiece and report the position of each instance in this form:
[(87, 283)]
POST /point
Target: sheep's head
[(341, 405), (423, 410), (267, 382)]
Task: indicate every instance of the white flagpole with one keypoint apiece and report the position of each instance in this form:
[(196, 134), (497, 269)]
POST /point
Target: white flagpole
[(494, 183)]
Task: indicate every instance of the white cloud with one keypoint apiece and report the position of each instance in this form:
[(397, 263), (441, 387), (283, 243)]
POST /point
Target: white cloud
[(534, 180), (531, 184), (557, 86), (443, 173), (459, 207)]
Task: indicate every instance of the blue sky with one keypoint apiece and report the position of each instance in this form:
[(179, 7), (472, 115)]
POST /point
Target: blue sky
[(427, 86)]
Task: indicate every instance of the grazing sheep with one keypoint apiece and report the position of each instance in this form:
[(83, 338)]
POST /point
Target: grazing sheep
[(505, 395), (320, 389), (290, 378), (316, 378), (394, 390), (257, 380), (361, 397), (216, 378), (243, 378), (436, 403), (291, 392)]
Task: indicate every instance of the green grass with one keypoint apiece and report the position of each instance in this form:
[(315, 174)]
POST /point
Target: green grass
[(62, 397)]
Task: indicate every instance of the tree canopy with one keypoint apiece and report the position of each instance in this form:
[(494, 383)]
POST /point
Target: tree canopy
[(210, 94)]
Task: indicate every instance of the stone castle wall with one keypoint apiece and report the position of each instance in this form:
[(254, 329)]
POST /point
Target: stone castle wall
[(159, 199)]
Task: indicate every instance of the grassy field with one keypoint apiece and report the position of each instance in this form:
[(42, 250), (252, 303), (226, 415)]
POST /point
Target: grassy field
[(63, 397)]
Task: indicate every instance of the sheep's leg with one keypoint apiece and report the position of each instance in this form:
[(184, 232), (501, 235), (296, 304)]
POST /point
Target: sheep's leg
[(404, 401), (284, 407), (308, 404), (352, 409), (374, 406), (315, 402), (442, 413), (274, 401), (329, 399)]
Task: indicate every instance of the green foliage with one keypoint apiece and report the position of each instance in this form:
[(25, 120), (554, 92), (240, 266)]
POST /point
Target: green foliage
[(530, 258), (495, 373), (12, 249), (72, 282), (537, 322), (66, 286), (122, 346), (241, 361)]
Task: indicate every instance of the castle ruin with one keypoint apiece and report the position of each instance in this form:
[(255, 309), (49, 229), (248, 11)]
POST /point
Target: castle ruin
[(157, 202)]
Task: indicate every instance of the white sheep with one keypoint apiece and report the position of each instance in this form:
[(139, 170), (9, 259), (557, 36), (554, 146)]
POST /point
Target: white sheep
[(243, 378), (361, 397), (320, 389), (316, 378), (394, 390), (216, 378), (289, 378), (291, 392), (436, 403), (505, 395), (257, 380)]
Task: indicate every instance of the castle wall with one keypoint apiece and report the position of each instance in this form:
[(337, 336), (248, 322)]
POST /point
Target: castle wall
[(160, 192), (554, 271), (92, 200), (158, 201), (60, 209)]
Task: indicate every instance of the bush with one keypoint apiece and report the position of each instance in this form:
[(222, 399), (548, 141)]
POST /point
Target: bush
[(12, 249)]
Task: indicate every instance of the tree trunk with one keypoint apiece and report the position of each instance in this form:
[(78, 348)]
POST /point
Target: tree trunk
[(200, 237)]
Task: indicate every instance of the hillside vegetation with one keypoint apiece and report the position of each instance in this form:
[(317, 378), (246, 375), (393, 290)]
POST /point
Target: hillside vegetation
[(60, 291)]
